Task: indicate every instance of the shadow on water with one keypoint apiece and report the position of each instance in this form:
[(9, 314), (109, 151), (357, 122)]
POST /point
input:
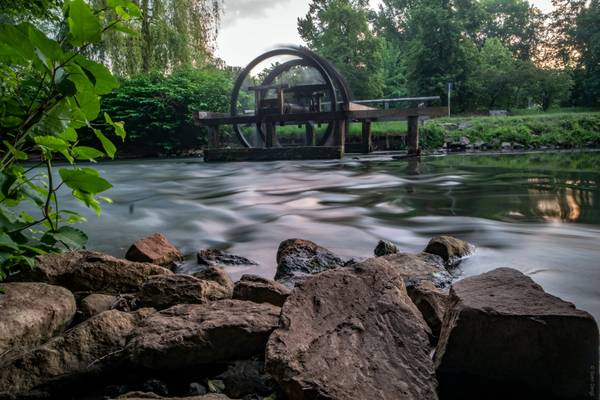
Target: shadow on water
[(539, 213)]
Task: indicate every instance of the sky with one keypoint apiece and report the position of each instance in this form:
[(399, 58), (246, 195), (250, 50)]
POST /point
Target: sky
[(250, 27)]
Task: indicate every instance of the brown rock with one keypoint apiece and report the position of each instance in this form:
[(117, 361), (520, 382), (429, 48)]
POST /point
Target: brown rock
[(90, 271), (31, 313), (503, 335), (155, 249), (89, 347), (451, 249), (297, 259), (214, 257), (95, 304), (144, 396), (432, 303), (352, 333), (193, 334), (164, 291), (415, 268), (260, 290), (216, 274)]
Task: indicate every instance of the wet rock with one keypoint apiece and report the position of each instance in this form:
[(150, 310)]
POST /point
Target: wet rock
[(31, 313), (194, 334), (154, 249), (518, 146), (451, 249), (90, 271), (503, 334), (415, 268), (149, 395), (245, 378), (506, 146), (164, 291), (480, 144), (216, 274), (260, 290), (431, 302), (156, 386), (89, 348), (213, 257), (197, 389), (96, 303), (385, 248), (352, 333), (297, 259)]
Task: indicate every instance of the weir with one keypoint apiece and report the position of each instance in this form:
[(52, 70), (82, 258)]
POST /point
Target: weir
[(305, 90)]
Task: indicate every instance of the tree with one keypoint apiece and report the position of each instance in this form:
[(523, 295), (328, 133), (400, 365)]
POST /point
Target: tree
[(586, 39), (339, 30)]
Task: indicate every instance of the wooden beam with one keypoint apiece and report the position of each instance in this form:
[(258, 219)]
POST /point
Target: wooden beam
[(273, 154)]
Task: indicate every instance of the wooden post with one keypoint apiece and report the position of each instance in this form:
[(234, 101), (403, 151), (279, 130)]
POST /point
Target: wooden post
[(213, 136), (271, 135), (310, 134), (412, 139), (367, 138), (339, 133)]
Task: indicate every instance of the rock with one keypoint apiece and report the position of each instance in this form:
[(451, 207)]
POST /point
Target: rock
[(297, 259), (498, 113), (156, 386), (90, 347), (213, 257), (216, 274), (260, 290), (480, 144), (415, 268), (147, 395), (96, 303), (154, 249), (352, 333), (464, 141), (518, 146), (194, 334), (247, 377), (506, 146), (451, 249), (385, 248), (90, 271), (164, 291), (197, 389), (432, 302), (31, 313), (503, 334)]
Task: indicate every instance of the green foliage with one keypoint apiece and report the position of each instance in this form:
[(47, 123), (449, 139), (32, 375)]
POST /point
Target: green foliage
[(158, 109), (50, 91)]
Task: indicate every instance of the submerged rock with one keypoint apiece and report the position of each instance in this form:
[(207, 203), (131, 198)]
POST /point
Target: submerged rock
[(352, 333), (194, 334), (96, 303), (214, 257), (216, 274), (247, 377), (451, 249), (385, 248), (164, 291), (503, 335), (431, 302), (260, 290), (90, 271), (32, 313), (155, 249), (297, 259)]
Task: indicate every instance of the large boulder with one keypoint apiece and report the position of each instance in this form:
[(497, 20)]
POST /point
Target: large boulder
[(297, 259), (352, 333), (194, 334), (216, 274), (154, 249), (415, 268), (215, 257), (451, 249), (89, 348), (503, 335), (432, 302), (164, 291), (31, 313), (260, 290), (97, 303), (90, 271)]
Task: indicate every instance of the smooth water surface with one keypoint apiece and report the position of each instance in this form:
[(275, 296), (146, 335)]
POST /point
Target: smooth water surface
[(539, 213)]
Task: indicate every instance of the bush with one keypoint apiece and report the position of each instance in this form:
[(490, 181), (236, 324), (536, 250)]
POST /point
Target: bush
[(157, 110)]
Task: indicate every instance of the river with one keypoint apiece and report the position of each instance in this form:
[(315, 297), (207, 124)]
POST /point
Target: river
[(538, 213)]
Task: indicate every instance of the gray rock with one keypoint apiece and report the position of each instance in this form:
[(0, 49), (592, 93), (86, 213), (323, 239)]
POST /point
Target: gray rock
[(432, 303), (32, 313), (260, 290), (216, 274), (506, 146), (352, 333), (154, 249), (504, 337), (385, 248), (95, 304), (297, 259), (214, 257), (451, 249)]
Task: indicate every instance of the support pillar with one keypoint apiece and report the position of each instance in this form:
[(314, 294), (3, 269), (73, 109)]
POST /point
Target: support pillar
[(412, 139), (271, 138), (367, 138), (310, 134), (213, 137), (339, 134)]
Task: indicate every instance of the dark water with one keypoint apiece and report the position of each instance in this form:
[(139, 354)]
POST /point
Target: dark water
[(539, 213)]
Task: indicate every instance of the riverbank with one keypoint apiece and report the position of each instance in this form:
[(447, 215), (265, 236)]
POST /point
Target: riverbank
[(100, 327)]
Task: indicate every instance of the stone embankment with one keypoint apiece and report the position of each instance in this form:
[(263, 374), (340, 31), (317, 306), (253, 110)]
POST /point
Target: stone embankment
[(396, 326)]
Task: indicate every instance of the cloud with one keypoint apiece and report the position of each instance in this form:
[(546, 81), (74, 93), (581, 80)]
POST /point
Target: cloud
[(253, 9)]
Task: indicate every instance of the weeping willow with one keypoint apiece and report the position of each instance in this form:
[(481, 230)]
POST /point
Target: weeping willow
[(171, 33)]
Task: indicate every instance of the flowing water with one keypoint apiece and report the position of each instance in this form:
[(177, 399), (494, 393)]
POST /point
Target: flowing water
[(539, 213)]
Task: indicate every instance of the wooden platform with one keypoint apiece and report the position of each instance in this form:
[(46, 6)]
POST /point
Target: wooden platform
[(274, 154)]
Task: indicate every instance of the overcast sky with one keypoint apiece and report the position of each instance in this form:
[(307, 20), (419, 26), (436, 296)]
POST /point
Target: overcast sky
[(250, 27)]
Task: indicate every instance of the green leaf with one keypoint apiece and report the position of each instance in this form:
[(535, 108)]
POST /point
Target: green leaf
[(47, 50), (109, 147), (86, 180), (86, 153), (69, 135), (89, 200), (52, 143), (71, 237), (104, 82), (18, 154), (84, 26), (215, 386), (118, 126), (7, 242), (15, 46)]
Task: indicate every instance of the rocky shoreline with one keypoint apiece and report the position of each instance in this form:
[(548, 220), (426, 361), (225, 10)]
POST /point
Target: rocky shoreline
[(86, 325)]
